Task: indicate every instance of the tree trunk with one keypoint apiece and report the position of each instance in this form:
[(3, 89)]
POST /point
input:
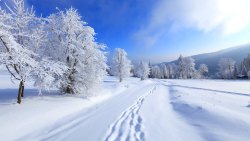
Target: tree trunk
[(120, 79), (20, 92)]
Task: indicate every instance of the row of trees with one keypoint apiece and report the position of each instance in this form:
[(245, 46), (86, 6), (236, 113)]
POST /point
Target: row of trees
[(57, 51), (121, 66), (183, 68)]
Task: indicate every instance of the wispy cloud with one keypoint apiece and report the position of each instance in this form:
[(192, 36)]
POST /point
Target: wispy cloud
[(225, 16)]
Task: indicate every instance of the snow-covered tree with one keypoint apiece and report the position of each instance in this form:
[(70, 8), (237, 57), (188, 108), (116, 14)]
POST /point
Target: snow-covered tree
[(186, 67), (164, 70), (243, 68), (189, 67), (17, 38), (121, 65), (156, 72), (72, 42), (150, 69), (248, 74), (22, 36), (246, 62), (172, 69), (143, 70), (203, 70), (226, 68), (181, 67)]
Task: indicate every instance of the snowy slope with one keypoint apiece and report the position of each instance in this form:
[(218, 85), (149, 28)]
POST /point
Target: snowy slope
[(151, 110)]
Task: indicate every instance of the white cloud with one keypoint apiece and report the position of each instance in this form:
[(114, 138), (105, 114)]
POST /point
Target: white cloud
[(226, 16)]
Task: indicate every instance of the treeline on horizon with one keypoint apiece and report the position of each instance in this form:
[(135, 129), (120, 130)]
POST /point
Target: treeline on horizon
[(185, 68)]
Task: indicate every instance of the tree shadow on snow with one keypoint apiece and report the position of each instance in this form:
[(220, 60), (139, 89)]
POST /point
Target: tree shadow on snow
[(9, 96)]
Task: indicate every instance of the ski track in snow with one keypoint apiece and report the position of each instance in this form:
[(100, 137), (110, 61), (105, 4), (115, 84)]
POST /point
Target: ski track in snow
[(129, 127)]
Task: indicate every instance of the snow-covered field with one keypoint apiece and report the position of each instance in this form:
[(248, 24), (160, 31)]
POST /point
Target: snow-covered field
[(134, 110)]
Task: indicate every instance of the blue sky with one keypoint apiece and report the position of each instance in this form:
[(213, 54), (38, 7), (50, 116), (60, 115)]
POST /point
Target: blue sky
[(160, 30)]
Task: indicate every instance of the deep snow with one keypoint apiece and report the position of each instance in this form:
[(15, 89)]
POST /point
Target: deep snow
[(134, 110)]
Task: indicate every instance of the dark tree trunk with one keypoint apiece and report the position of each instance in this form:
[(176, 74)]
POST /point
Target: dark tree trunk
[(20, 92)]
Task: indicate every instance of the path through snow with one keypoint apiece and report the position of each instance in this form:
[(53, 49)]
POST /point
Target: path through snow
[(158, 110)]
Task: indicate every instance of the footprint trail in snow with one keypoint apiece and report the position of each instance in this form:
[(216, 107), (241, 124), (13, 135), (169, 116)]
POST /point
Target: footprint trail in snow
[(129, 127)]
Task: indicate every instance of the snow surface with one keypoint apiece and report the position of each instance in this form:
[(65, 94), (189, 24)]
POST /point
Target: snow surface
[(134, 110)]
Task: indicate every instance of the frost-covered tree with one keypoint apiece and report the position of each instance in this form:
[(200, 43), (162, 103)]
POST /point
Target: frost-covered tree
[(15, 54), (226, 68), (72, 42), (17, 60), (121, 65), (248, 74), (172, 69), (203, 70), (246, 62), (164, 70), (156, 72), (17, 38), (22, 37), (189, 67), (150, 69), (186, 67), (243, 68), (181, 67), (143, 70)]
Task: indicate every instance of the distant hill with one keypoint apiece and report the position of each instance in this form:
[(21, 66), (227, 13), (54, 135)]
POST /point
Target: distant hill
[(211, 59)]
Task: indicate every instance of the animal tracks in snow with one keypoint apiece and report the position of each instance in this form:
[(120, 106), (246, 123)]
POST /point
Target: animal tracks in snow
[(129, 126)]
